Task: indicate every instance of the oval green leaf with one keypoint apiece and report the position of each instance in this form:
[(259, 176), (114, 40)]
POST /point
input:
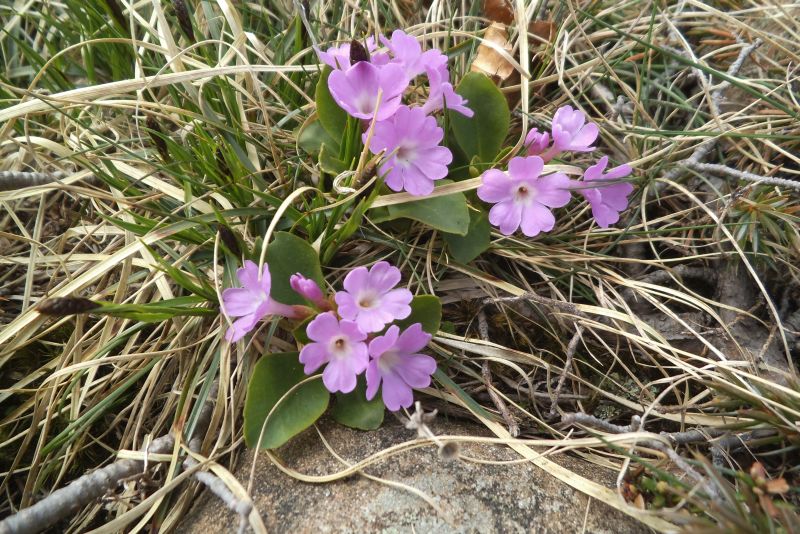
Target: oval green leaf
[(448, 213), (332, 117), (483, 134), (354, 410), (311, 136), (273, 376), (466, 248), (425, 309), (286, 255)]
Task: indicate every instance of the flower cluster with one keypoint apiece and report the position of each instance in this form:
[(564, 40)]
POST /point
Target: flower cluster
[(523, 198), (346, 340), (371, 85)]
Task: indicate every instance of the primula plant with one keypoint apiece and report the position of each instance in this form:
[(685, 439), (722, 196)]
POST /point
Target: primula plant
[(392, 104)]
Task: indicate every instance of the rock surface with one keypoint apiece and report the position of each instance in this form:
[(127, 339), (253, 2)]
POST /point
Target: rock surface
[(515, 497)]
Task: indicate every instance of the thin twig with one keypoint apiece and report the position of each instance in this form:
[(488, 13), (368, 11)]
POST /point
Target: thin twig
[(571, 347), (11, 180), (486, 373), (589, 420), (741, 175)]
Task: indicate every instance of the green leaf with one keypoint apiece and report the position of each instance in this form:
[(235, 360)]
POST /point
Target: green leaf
[(273, 376), (483, 134), (332, 117), (448, 213), (156, 311), (466, 248), (286, 255), (425, 309), (354, 410), (329, 162), (299, 331), (311, 136)]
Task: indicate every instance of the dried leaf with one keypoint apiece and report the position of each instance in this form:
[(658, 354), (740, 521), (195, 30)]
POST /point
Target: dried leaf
[(499, 10), (543, 29), (777, 486), (757, 471), (489, 61)]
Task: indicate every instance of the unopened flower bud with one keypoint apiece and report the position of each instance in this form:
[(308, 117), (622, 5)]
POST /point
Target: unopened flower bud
[(308, 289), (358, 52), (63, 306)]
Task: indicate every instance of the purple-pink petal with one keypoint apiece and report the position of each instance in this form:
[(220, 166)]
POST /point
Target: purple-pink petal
[(553, 190), (396, 393), (397, 303), (413, 339), (239, 301), (248, 275), (396, 365), (536, 218), (381, 344), (323, 327), (313, 356), (506, 215), (570, 132), (373, 376), (414, 159), (416, 370), (536, 142), (525, 168), (383, 276), (356, 89), (495, 186), (306, 288)]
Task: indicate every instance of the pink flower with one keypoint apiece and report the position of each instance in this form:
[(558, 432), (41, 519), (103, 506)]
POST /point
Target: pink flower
[(443, 95), (522, 197), (407, 52), (251, 302), (570, 132), (369, 298), (308, 289), (536, 142), (414, 158), (341, 345), (606, 200), (396, 362), (356, 89), (338, 57)]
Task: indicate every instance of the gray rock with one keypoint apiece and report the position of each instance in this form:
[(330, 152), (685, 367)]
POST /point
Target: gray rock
[(515, 497)]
